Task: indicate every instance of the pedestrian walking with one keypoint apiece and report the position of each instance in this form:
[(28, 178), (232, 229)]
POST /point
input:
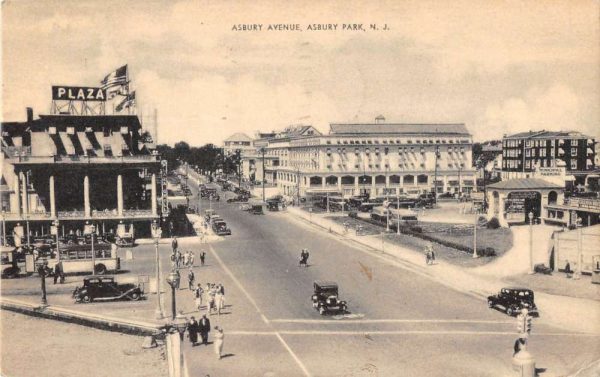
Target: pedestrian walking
[(174, 245), (211, 300), (219, 302), (192, 329), (204, 329), (198, 293), (519, 345), (186, 258), (178, 258), (202, 257), (191, 279), (191, 258), (219, 337), (432, 256), (58, 273), (222, 289)]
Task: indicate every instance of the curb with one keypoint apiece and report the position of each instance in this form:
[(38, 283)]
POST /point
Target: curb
[(84, 319)]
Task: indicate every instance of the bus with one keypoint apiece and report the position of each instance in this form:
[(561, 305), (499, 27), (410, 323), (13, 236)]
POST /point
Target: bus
[(78, 259)]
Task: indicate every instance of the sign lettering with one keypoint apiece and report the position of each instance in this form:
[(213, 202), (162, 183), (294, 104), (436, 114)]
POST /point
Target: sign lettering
[(78, 93)]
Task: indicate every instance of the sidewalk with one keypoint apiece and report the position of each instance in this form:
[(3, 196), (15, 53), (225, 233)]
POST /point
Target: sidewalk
[(561, 311)]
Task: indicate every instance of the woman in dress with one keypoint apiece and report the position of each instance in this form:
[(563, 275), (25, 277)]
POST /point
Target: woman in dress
[(219, 336)]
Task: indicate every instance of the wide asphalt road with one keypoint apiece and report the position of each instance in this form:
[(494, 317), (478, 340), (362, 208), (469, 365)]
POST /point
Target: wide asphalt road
[(400, 323)]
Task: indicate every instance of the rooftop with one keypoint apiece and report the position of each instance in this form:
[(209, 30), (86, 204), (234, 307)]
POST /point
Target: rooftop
[(398, 128), (543, 134), (238, 136), (524, 184)]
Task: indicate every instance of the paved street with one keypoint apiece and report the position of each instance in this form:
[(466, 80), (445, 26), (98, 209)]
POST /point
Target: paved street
[(400, 322), (395, 313)]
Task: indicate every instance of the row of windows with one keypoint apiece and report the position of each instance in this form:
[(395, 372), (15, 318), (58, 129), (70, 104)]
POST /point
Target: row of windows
[(405, 141)]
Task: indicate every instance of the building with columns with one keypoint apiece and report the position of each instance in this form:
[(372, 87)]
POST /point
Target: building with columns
[(77, 169), (376, 158)]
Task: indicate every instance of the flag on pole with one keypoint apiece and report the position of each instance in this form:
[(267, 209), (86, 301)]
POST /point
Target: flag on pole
[(114, 91), (127, 102), (118, 77)]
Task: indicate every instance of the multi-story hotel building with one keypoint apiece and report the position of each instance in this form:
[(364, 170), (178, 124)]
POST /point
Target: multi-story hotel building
[(77, 169), (376, 158), (526, 152)]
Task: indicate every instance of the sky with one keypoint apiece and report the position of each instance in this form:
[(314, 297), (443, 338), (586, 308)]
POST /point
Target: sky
[(498, 66)]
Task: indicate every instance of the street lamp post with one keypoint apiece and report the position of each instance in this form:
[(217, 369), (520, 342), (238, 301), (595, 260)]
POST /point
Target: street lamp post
[(56, 224), (577, 274), (92, 234), (3, 227), (42, 272), (27, 224), (156, 233), (475, 239), (530, 243), (173, 280), (262, 150)]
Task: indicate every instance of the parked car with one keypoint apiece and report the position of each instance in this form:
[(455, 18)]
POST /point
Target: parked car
[(8, 262), (104, 288), (513, 300), (325, 298)]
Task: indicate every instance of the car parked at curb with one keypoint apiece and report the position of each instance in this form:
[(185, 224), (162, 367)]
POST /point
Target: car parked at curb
[(325, 298), (513, 300), (105, 288)]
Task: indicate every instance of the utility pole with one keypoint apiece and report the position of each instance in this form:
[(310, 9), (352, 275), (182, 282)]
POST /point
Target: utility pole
[(437, 151), (531, 243), (475, 239), (263, 173)]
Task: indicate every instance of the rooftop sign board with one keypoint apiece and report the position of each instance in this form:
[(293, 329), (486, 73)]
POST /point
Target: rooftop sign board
[(78, 93)]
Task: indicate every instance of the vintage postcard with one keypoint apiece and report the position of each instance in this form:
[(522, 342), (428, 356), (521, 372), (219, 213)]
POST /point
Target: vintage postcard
[(303, 188)]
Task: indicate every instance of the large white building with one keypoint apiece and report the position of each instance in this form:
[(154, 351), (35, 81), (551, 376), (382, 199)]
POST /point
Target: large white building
[(376, 158)]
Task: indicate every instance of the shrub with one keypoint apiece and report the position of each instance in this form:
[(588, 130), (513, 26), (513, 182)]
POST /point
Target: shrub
[(493, 223), (487, 252), (416, 229), (353, 214)]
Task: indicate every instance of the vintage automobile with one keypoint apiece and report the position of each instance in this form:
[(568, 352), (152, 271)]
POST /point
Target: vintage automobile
[(220, 228), (125, 241), (10, 268), (325, 298), (513, 300), (238, 198), (104, 288)]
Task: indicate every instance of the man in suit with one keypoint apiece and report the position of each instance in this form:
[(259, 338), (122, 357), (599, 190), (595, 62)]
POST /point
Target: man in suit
[(204, 329), (192, 328)]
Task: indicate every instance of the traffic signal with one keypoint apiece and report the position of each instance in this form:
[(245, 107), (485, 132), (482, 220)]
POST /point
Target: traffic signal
[(521, 324), (528, 323)]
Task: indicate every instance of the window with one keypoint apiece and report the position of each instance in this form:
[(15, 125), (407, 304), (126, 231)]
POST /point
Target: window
[(573, 164), (573, 151), (543, 152)]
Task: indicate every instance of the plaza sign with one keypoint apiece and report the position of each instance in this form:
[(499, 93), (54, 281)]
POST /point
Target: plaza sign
[(78, 93)]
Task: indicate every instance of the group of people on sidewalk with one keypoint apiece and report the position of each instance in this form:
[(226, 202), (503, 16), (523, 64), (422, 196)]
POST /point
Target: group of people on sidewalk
[(202, 327), (214, 295), (185, 258)]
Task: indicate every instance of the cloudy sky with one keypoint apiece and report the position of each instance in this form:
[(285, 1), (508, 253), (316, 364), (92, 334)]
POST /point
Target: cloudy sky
[(498, 66)]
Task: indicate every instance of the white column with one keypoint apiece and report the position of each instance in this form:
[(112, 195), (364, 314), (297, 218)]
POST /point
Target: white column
[(86, 196), (154, 210), (339, 184), (356, 188), (17, 184), (24, 193), (52, 198), (120, 195)]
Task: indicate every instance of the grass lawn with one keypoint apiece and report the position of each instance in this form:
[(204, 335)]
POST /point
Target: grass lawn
[(444, 253), (500, 239)]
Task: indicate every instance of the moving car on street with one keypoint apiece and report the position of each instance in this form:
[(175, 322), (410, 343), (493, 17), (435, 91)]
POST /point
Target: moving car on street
[(513, 300), (220, 228), (104, 288), (325, 298)]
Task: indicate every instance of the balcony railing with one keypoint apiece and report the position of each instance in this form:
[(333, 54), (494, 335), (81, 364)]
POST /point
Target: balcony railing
[(86, 159)]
